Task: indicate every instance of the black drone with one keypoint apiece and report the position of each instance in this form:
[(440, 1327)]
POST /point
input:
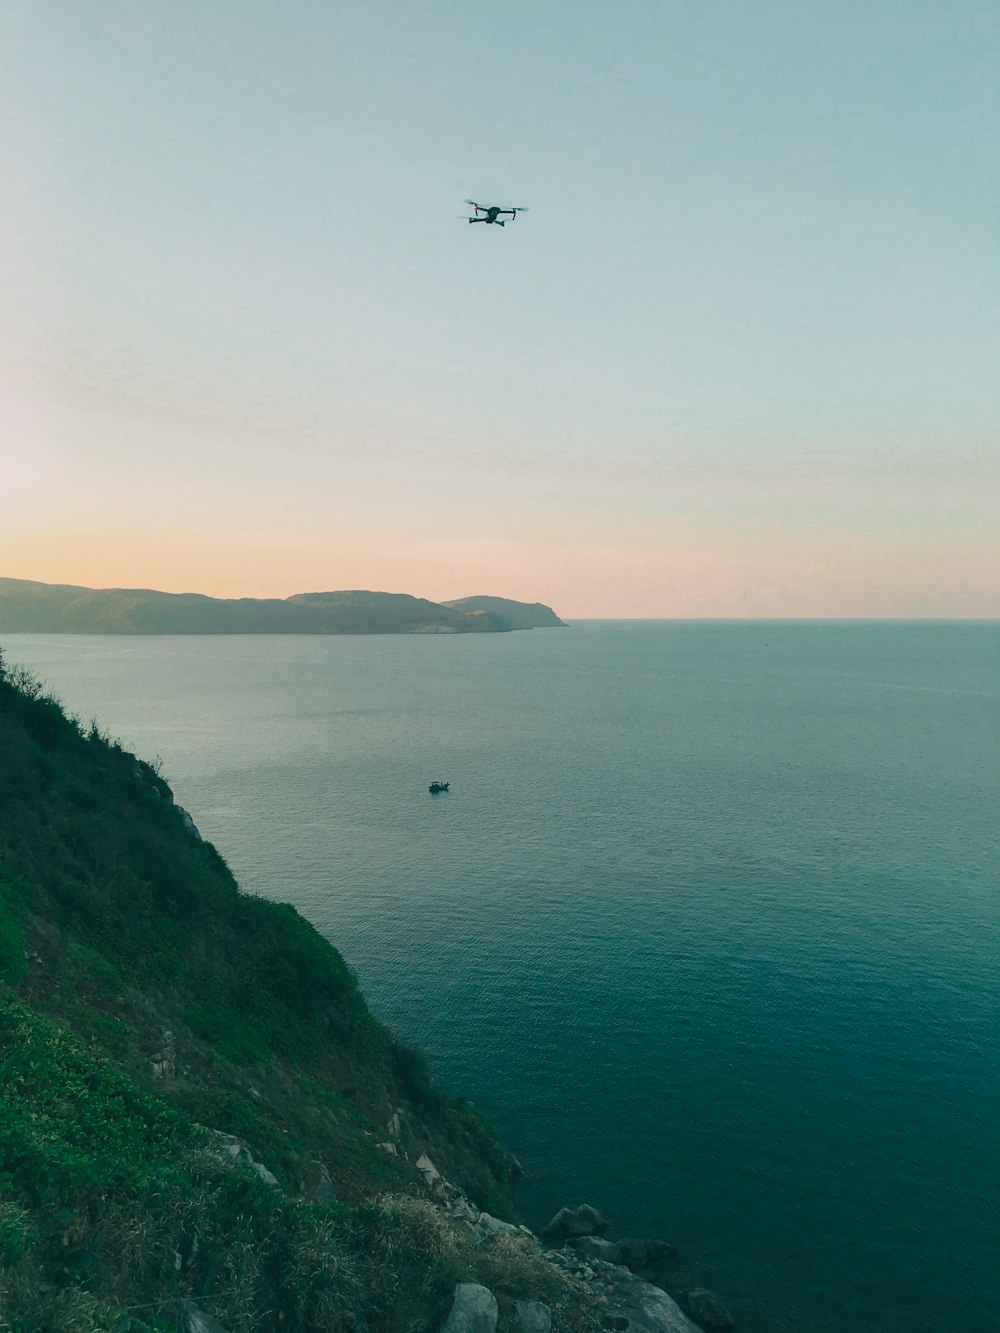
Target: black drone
[(493, 213)]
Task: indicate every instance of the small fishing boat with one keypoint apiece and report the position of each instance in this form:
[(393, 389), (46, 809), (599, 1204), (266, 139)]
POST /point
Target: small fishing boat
[(435, 787)]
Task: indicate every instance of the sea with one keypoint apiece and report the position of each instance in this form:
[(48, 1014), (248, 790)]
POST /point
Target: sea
[(708, 923)]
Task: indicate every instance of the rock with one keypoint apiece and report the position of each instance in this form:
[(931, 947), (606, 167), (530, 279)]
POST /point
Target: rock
[(474, 1310), (428, 1169), (322, 1190), (581, 1221), (563, 1259), (163, 1061), (193, 1320), (657, 1250), (633, 1253), (461, 1210), (234, 1151), (647, 1308), (493, 1226), (394, 1127), (389, 1148), (532, 1317), (595, 1247), (189, 823), (641, 1253), (708, 1309)]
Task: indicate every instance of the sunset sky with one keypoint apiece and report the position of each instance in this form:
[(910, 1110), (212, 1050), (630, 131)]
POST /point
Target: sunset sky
[(742, 356)]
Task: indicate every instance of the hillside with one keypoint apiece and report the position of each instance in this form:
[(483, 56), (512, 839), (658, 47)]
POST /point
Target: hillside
[(27, 607), (148, 1009), (521, 615), (203, 1128)]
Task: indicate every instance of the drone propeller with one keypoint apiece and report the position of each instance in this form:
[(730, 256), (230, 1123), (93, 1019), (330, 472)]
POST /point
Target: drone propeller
[(472, 204)]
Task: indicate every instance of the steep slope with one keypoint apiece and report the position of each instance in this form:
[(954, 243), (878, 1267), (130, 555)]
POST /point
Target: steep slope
[(148, 1011)]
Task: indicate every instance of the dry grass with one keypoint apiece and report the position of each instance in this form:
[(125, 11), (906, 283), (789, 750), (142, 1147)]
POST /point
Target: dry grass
[(516, 1266)]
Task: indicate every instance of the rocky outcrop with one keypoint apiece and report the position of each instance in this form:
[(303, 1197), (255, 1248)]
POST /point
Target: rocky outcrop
[(494, 1226), (599, 1269), (189, 823), (163, 1060), (709, 1311), (647, 1308), (228, 1148), (474, 1310), (455, 1206), (583, 1220)]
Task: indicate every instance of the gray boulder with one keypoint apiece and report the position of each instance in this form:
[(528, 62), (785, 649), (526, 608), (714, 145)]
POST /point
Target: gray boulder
[(193, 1320), (474, 1310), (569, 1222), (595, 1247), (647, 1308), (493, 1226), (234, 1151), (532, 1317), (427, 1169), (708, 1309)]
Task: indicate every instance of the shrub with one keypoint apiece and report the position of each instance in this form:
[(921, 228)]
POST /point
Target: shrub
[(12, 963), (17, 1232)]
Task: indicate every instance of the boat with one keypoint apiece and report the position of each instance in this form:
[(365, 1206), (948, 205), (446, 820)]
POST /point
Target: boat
[(435, 787)]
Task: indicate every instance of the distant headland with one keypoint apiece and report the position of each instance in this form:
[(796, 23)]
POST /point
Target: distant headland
[(27, 607)]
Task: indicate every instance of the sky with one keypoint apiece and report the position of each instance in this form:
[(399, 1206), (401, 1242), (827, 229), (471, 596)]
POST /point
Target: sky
[(740, 358)]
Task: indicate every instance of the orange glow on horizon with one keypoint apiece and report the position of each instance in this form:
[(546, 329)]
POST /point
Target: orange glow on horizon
[(684, 578)]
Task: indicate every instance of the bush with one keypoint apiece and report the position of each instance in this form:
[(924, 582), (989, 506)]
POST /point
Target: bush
[(12, 963), (17, 1232)]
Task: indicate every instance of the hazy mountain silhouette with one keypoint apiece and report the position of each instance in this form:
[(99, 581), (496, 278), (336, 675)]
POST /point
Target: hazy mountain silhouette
[(28, 607), (522, 615)]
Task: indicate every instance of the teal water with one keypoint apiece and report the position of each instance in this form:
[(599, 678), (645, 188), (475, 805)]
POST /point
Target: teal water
[(708, 923)]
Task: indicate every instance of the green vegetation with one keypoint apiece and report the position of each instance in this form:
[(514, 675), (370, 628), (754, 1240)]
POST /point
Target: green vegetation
[(145, 1004), (522, 615)]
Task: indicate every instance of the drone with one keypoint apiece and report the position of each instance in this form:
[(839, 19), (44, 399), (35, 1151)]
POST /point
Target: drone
[(493, 212)]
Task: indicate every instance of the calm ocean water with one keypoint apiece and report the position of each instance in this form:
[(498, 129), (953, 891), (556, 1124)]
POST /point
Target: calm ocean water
[(708, 923)]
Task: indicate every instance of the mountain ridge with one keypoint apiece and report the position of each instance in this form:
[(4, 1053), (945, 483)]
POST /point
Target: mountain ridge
[(31, 607)]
